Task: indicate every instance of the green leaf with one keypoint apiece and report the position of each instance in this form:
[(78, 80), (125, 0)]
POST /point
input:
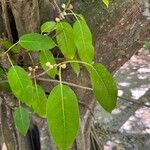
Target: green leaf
[(104, 87), (106, 2), (20, 84), (63, 116), (48, 26), (7, 44), (5, 86), (47, 56), (65, 40), (75, 66), (39, 101), (21, 119), (83, 40), (36, 42)]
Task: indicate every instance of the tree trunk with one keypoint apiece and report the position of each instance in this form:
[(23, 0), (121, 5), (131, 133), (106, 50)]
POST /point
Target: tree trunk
[(117, 35)]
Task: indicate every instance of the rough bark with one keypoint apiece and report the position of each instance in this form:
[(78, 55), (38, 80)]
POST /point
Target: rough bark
[(26, 15), (116, 33)]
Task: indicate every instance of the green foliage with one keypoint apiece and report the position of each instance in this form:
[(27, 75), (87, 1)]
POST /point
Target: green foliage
[(47, 56), (3, 85), (63, 116), (75, 66), (61, 108), (20, 84), (106, 2), (7, 44), (39, 101), (36, 42), (23, 88), (48, 26), (83, 40), (65, 39), (21, 119), (104, 87)]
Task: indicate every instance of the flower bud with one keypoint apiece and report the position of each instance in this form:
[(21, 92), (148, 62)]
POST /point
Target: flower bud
[(70, 6), (36, 67), (63, 66), (30, 68), (51, 66), (63, 6), (62, 16), (48, 64), (57, 19), (64, 13)]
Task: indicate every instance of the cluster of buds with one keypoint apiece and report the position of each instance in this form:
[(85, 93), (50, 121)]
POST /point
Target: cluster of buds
[(32, 70), (65, 7), (63, 13), (49, 65)]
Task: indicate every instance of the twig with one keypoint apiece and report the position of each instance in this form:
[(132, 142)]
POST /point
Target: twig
[(64, 82), (90, 89), (82, 87)]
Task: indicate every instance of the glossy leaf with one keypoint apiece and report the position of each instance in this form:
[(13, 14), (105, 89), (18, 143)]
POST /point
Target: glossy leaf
[(47, 56), (48, 26), (83, 40), (63, 116), (39, 101), (104, 87), (21, 119), (36, 42), (21, 84), (65, 40)]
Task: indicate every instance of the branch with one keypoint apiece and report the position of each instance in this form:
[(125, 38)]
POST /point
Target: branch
[(64, 82), (84, 88), (88, 88)]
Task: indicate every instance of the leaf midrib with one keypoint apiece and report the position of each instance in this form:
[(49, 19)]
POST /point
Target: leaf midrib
[(83, 40), (18, 77), (65, 37), (63, 110)]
